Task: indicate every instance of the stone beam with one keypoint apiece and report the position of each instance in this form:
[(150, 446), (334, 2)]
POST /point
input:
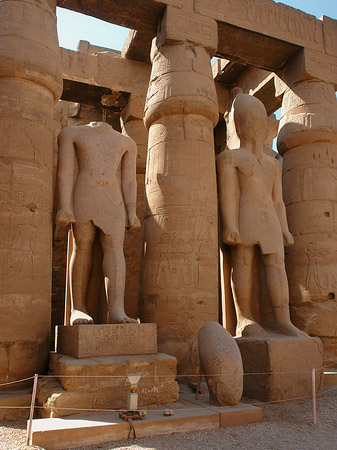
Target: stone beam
[(262, 33), (267, 18), (136, 14), (258, 82), (261, 84), (117, 74), (137, 46), (308, 64)]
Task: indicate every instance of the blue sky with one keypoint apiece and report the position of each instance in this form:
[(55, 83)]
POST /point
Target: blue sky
[(73, 27)]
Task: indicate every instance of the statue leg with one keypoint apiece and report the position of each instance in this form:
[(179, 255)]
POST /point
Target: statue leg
[(114, 276), (242, 282), (277, 284), (80, 266)]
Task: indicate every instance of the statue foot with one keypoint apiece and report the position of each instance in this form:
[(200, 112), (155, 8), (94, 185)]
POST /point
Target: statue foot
[(287, 328), (117, 315), (78, 317), (250, 328)]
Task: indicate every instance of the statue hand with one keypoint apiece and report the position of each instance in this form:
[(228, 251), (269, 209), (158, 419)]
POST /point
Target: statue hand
[(134, 222), (288, 238), (64, 217), (231, 236)]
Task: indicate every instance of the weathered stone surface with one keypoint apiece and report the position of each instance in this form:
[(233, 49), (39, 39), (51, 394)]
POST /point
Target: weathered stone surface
[(253, 219), (267, 17), (58, 433), (186, 26), (179, 277), (330, 33), (308, 141), (124, 75), (280, 368), (221, 363), (103, 201), (308, 64), (108, 391), (20, 399), (86, 341), (137, 46), (329, 352), (77, 374), (30, 83)]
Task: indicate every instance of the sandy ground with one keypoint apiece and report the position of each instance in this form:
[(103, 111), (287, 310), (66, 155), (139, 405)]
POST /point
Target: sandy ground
[(286, 426)]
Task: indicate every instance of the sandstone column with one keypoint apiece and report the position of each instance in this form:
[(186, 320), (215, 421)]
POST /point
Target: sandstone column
[(179, 279), (30, 83), (308, 142)]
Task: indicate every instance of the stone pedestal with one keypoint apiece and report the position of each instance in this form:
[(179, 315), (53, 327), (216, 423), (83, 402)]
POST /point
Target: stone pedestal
[(280, 367), (91, 372), (179, 273), (83, 341)]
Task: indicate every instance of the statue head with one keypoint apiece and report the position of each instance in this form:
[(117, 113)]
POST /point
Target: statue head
[(250, 119)]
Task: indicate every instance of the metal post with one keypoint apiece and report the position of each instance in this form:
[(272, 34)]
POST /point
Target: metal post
[(31, 414), (313, 382)]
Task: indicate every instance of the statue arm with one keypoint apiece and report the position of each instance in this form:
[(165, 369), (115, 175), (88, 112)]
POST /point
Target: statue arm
[(280, 206), (228, 198), (65, 178), (129, 184)]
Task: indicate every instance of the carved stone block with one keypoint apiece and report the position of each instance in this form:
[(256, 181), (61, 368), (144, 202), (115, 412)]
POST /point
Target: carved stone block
[(280, 368), (87, 341)]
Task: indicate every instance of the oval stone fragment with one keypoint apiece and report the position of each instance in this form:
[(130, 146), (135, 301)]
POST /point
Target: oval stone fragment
[(221, 364)]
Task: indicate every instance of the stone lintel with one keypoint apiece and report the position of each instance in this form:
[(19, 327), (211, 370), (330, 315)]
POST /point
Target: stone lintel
[(227, 71), (281, 367), (260, 83), (90, 49), (248, 47), (265, 17), (307, 65), (181, 26), (86, 341), (137, 46), (135, 14), (330, 35), (104, 70)]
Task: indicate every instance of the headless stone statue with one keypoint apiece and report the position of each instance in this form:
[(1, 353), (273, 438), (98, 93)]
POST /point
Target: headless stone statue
[(97, 199), (253, 214)]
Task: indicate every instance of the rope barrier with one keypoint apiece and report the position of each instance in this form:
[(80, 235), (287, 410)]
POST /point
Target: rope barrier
[(17, 381), (178, 376), (159, 376), (162, 410), (162, 376)]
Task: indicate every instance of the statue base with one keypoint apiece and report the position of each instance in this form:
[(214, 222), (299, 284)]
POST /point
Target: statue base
[(280, 367), (98, 382), (88, 341)]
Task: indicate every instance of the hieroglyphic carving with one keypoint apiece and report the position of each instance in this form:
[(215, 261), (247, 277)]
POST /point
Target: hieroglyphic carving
[(330, 35), (186, 26), (264, 16)]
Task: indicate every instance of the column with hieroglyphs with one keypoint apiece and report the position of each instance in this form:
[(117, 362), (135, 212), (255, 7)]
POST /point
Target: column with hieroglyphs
[(30, 83), (308, 142), (179, 274)]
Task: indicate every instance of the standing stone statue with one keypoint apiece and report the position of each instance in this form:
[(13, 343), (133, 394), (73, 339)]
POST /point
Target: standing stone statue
[(253, 214), (105, 188)]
